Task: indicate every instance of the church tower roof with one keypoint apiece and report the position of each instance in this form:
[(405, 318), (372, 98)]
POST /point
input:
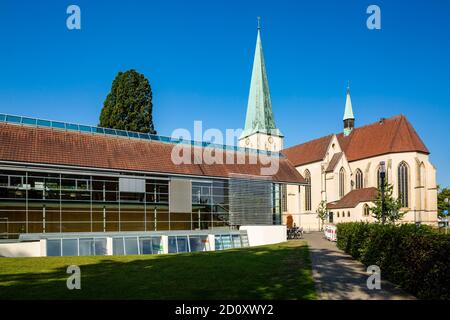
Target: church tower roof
[(259, 117), (348, 113)]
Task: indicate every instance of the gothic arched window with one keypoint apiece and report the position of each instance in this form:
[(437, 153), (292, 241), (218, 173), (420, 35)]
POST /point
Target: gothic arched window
[(359, 179), (403, 187), (308, 191), (366, 210), (341, 182)]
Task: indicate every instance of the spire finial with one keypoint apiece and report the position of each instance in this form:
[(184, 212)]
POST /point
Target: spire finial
[(259, 23), (348, 86)]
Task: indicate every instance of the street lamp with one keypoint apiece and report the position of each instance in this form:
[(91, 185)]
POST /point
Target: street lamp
[(382, 177), (446, 200)]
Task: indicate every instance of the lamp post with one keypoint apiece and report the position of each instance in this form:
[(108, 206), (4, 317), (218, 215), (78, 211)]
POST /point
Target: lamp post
[(446, 200), (382, 178)]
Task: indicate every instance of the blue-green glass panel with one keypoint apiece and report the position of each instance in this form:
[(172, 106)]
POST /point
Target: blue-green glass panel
[(59, 125), (144, 136), (29, 121), (44, 123), (122, 133), (110, 131), (98, 130), (85, 128), (13, 119), (133, 134), (2, 117), (71, 126)]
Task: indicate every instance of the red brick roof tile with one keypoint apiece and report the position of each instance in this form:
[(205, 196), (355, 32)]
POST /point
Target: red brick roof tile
[(58, 147), (353, 198), (390, 135)]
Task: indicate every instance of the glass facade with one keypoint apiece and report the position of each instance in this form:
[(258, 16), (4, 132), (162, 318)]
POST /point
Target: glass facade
[(35, 201)]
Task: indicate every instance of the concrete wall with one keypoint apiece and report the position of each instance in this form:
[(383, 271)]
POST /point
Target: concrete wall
[(23, 249), (261, 235)]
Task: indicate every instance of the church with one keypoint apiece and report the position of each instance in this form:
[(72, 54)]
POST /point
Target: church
[(343, 169)]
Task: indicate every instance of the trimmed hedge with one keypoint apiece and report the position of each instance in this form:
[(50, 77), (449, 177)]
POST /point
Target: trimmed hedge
[(415, 258)]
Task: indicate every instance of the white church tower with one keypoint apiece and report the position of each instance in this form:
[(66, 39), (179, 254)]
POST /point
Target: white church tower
[(260, 131)]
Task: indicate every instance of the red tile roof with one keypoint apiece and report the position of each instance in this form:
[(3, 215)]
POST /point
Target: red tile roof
[(390, 135), (58, 147), (308, 152), (351, 199)]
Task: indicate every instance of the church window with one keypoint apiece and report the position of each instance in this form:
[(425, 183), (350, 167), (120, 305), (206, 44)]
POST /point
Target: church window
[(359, 179), (366, 210), (403, 176), (341, 183), (308, 191)]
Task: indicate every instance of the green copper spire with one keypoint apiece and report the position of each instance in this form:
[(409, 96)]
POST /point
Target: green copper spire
[(259, 109), (349, 119)]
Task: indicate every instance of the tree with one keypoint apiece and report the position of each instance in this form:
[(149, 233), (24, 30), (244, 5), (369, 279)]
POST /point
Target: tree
[(392, 206), (129, 104), (322, 212), (442, 205)]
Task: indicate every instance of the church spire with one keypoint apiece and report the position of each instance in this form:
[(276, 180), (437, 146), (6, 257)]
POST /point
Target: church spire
[(259, 117), (349, 119)]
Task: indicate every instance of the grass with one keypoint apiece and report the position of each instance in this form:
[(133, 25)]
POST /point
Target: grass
[(280, 271)]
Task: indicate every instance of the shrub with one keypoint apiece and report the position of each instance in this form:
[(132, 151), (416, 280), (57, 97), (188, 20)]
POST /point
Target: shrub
[(415, 258)]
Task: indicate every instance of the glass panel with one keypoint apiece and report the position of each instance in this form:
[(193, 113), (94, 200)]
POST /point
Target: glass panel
[(182, 242), (218, 243), (85, 128), (118, 246), (2, 117), (198, 243), (131, 245), (157, 245), (122, 133), (70, 247), (13, 119), (44, 123), (100, 247), (133, 134), (110, 131), (70, 126), (236, 241), (29, 121), (54, 248), (145, 245), (173, 245), (59, 125), (87, 247), (226, 241)]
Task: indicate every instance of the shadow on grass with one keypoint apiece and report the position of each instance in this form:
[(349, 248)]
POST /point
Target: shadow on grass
[(280, 271)]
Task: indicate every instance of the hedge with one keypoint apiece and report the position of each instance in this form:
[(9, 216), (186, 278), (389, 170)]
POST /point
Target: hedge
[(414, 257)]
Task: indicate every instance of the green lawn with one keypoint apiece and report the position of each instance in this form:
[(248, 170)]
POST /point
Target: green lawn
[(281, 271)]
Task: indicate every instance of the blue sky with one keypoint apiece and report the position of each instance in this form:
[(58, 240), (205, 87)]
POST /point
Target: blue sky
[(198, 57)]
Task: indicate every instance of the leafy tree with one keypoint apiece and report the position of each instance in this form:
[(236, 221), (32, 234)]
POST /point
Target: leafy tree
[(442, 195), (129, 104), (392, 206), (322, 212)]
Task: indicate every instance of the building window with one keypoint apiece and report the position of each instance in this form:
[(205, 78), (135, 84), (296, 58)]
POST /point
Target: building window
[(348, 213), (403, 176), (308, 191), (366, 210), (359, 179), (341, 183), (337, 214)]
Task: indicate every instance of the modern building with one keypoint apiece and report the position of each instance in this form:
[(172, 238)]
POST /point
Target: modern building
[(68, 184)]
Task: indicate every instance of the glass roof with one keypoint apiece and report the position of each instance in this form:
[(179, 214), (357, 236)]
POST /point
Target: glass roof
[(121, 133)]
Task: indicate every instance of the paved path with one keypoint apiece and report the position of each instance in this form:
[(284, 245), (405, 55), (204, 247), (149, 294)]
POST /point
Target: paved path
[(338, 276)]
